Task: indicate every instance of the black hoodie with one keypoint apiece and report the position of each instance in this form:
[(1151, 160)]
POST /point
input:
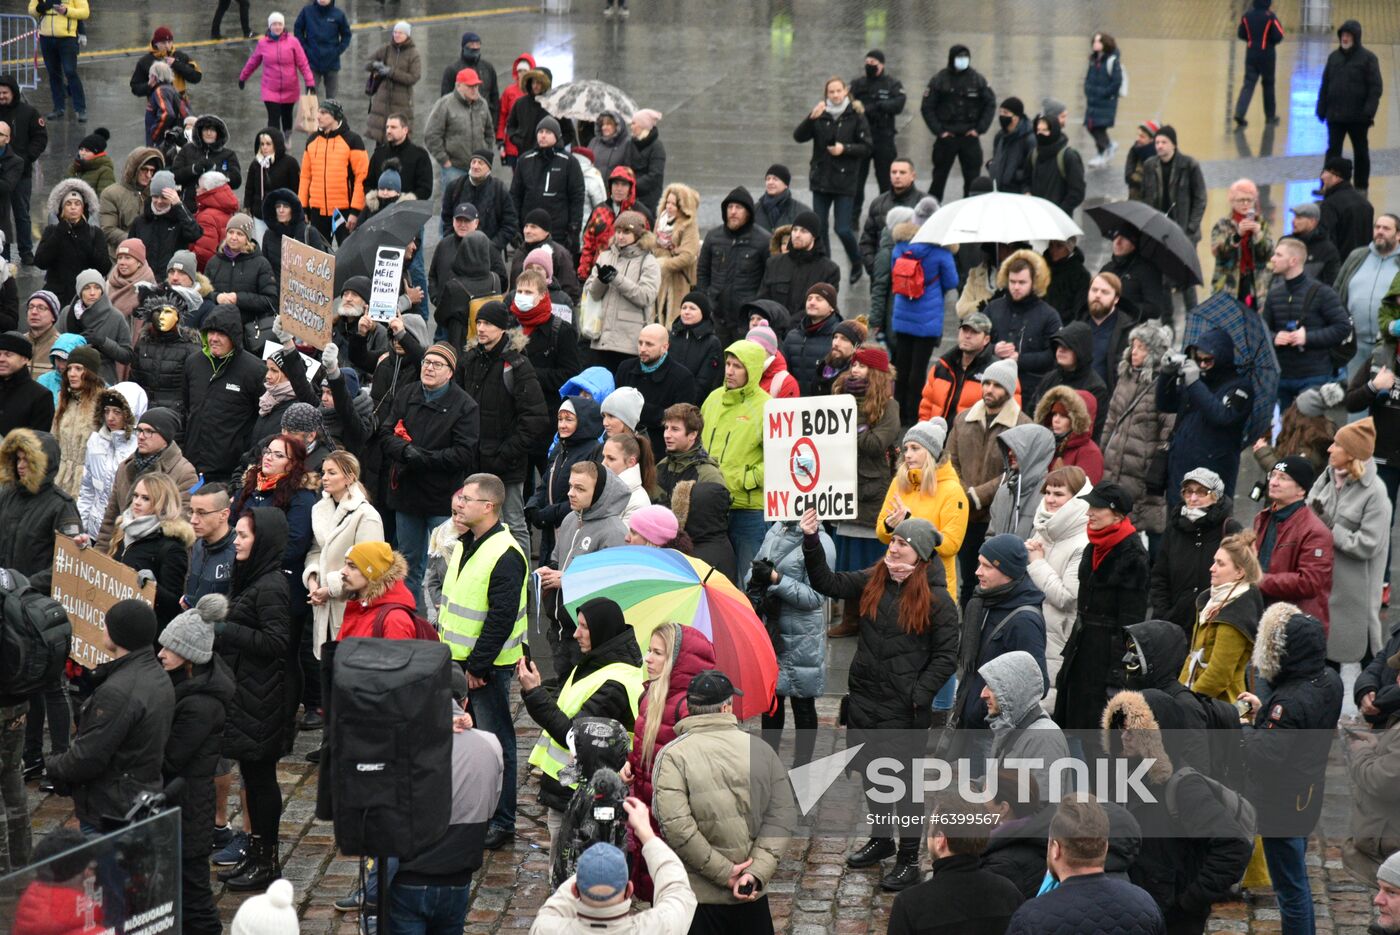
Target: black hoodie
[(1078, 337), (197, 157), (297, 228), (1351, 82), (1159, 650), (731, 264), (283, 173)]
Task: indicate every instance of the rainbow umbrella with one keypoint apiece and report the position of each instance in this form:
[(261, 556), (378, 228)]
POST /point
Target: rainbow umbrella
[(655, 586)]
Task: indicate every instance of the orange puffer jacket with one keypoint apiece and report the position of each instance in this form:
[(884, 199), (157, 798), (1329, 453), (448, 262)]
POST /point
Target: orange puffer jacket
[(333, 171)]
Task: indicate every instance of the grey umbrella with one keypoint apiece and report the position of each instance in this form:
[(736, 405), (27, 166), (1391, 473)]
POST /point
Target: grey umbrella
[(586, 100)]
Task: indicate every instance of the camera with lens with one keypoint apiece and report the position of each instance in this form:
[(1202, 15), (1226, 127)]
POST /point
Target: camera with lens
[(1172, 361)]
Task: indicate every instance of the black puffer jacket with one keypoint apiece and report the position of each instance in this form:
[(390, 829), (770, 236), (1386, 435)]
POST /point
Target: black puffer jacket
[(221, 399), (836, 175), (1161, 653), (1056, 171), (166, 554), (1182, 569), (32, 510), (894, 674), (731, 263), (805, 349), (788, 276), (514, 418), (697, 349), (958, 101), (553, 351), (424, 473), (117, 752), (284, 173), (249, 276), (1351, 82), (253, 643), (298, 229), (163, 234), (201, 705), (1016, 848), (549, 504), (668, 384), (65, 249), (198, 157), (159, 366)]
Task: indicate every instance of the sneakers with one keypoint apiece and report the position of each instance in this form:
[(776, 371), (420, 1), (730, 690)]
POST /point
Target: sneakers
[(1098, 161), (221, 837), (350, 901), (82, 116), (608, 10), (233, 852), (33, 770), (313, 720), (1109, 153)]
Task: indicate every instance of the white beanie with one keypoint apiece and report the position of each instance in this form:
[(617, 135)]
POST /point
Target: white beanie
[(1003, 372), (625, 403), (269, 913), (1390, 870), (404, 26), (275, 17)]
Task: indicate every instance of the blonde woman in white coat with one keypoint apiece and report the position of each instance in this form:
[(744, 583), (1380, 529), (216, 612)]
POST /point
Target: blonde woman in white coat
[(1054, 548), (341, 519)]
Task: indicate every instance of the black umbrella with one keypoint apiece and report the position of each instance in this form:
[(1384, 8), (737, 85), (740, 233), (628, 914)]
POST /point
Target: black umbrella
[(1162, 242), (395, 226)]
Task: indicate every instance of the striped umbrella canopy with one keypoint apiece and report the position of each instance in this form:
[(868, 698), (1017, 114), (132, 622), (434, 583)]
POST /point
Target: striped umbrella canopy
[(655, 586)]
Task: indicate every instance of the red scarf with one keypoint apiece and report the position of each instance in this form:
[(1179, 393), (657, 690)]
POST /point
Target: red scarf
[(266, 483), (1106, 539), (1246, 251), (536, 316)]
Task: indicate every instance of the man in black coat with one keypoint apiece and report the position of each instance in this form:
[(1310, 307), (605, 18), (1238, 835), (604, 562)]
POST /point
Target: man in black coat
[(1349, 97), (882, 96), (547, 177), (776, 206), (1142, 282), (120, 745), (491, 198), (534, 234), (960, 896), (11, 177), (898, 190), (1110, 321), (514, 417), (223, 383), (414, 164), (24, 403), (1069, 280), (1307, 320), (165, 226), (29, 137), (1347, 216), (958, 108), (1156, 651), (788, 276), (662, 381), (1023, 323), (731, 264), (430, 442), (1261, 32), (1324, 262)]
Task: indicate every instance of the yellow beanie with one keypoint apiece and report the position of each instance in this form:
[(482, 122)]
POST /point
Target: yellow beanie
[(373, 559)]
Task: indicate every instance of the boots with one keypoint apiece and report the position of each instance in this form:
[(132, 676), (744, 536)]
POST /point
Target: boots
[(263, 866), (850, 620), (906, 870), (874, 851)]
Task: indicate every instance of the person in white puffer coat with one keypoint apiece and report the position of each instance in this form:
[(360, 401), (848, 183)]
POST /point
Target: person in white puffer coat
[(112, 442), (1060, 537)]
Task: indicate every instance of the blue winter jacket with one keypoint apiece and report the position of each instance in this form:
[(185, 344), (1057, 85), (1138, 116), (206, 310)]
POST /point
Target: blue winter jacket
[(1211, 415), (324, 34), (923, 317), (983, 620), (802, 659), (1101, 85)]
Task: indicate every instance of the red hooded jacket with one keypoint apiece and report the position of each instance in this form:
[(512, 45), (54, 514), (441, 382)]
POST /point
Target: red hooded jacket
[(509, 95), (599, 230), (398, 624)]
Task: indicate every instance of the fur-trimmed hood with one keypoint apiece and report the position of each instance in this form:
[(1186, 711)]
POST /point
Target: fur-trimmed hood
[(1289, 645), (61, 191), (129, 397), (687, 201), (176, 528), (534, 74), (1158, 339), (1040, 281), (775, 241), (372, 198), (42, 452), (1132, 711), (135, 159), (515, 341), (1080, 420), (374, 590)]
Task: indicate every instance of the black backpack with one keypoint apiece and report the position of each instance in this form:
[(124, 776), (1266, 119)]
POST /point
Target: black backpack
[(1225, 741), (34, 636), (1340, 355)]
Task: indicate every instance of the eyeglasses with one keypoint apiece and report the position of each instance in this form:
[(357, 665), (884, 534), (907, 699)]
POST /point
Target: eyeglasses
[(275, 455), (476, 500), (145, 433), (434, 364), (204, 513)]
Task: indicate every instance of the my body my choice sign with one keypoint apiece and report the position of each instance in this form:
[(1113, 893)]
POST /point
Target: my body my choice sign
[(809, 458)]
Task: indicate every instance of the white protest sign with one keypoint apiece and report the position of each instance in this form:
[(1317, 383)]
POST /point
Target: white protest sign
[(384, 285), (809, 458)]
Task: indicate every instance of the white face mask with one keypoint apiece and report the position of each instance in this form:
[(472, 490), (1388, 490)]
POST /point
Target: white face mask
[(525, 302), (962, 62), (1192, 513)]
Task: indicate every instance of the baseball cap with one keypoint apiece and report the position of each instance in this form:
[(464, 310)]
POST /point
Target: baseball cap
[(466, 211), (1110, 497), (602, 872), (710, 687), (977, 322)]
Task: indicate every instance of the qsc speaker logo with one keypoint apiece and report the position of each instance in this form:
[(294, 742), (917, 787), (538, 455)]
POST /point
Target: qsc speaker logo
[(371, 767)]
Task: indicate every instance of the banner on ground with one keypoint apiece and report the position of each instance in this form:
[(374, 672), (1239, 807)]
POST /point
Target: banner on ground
[(87, 584), (384, 285), (308, 293), (809, 458)]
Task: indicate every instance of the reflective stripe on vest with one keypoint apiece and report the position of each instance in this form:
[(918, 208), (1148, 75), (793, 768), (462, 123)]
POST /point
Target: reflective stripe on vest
[(549, 756), (464, 598)]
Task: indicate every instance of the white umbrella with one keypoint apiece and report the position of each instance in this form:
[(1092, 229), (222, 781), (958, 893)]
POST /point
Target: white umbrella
[(997, 217)]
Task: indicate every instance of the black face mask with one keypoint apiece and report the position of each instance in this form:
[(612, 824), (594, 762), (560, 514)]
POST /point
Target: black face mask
[(872, 71), (1005, 122), (471, 56)]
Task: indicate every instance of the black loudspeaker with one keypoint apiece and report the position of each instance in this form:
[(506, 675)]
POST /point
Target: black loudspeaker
[(390, 745)]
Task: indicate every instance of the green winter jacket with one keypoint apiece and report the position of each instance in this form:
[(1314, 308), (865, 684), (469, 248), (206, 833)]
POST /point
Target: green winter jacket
[(734, 430)]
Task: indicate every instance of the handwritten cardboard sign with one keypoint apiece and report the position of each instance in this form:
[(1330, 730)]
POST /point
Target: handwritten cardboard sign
[(308, 293), (87, 584)]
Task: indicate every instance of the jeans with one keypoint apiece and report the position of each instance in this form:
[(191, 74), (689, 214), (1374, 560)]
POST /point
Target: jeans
[(1258, 66), (326, 83), (1360, 149), (412, 531), (19, 210), (1288, 868), (966, 151), (370, 897), (911, 357), (1289, 388), (746, 531), (513, 517), (280, 116), (822, 202), (15, 843), (61, 62), (490, 707), (428, 910)]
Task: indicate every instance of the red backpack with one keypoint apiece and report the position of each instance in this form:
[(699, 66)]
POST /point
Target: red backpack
[(907, 276), (422, 629)]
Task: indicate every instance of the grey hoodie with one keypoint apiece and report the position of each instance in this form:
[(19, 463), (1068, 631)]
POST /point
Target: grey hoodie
[(1013, 507), (1022, 728), (598, 527)]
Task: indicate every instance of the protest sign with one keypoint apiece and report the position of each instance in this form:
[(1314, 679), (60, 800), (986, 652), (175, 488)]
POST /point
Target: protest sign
[(809, 458), (384, 285), (308, 293), (87, 584)]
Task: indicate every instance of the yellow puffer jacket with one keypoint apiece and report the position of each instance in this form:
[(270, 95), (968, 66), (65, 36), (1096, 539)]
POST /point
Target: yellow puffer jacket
[(945, 508), (60, 25)]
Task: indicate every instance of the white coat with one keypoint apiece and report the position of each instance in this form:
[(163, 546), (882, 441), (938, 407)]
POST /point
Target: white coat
[(1065, 536), (336, 529), (106, 450)]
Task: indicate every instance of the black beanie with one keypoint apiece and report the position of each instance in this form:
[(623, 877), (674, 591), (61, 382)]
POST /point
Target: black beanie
[(780, 171), (1014, 105), (877, 54), (95, 142), (166, 422), (1168, 131), (495, 313), (808, 221), (540, 218), (700, 300), (131, 624), (604, 618)]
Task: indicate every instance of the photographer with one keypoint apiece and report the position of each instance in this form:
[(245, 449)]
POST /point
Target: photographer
[(1212, 402)]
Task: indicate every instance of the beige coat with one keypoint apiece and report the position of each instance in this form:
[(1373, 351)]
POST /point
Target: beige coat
[(395, 94), (678, 262), (1057, 574), (173, 462), (72, 430), (1374, 770), (336, 528), (627, 300), (672, 907), (973, 450)]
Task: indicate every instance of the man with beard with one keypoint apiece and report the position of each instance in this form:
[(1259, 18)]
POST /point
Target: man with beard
[(789, 276), (1023, 323), (731, 264), (953, 384), (1387, 901), (1110, 324), (1366, 287), (491, 198)]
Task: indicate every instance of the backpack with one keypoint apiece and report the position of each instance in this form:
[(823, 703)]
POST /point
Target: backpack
[(1225, 741), (1242, 813), (1059, 159), (907, 276), (34, 636), (422, 629), (1123, 85)]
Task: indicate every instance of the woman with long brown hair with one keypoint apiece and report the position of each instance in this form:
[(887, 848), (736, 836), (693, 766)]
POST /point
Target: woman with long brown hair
[(75, 417), (907, 650)]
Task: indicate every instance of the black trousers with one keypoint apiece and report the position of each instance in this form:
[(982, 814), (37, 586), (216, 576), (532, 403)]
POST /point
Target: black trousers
[(804, 718), (911, 357), (753, 918), (222, 8), (264, 796), (963, 149), (883, 151), (1360, 149), (280, 116), (1258, 66), (198, 916)]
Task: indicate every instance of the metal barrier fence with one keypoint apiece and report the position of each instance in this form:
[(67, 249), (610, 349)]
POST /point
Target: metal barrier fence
[(19, 49)]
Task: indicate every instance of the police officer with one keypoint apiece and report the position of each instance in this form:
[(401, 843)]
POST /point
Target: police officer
[(882, 96)]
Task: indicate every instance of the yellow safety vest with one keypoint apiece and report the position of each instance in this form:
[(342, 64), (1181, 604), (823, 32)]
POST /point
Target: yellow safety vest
[(548, 755), (464, 598)]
